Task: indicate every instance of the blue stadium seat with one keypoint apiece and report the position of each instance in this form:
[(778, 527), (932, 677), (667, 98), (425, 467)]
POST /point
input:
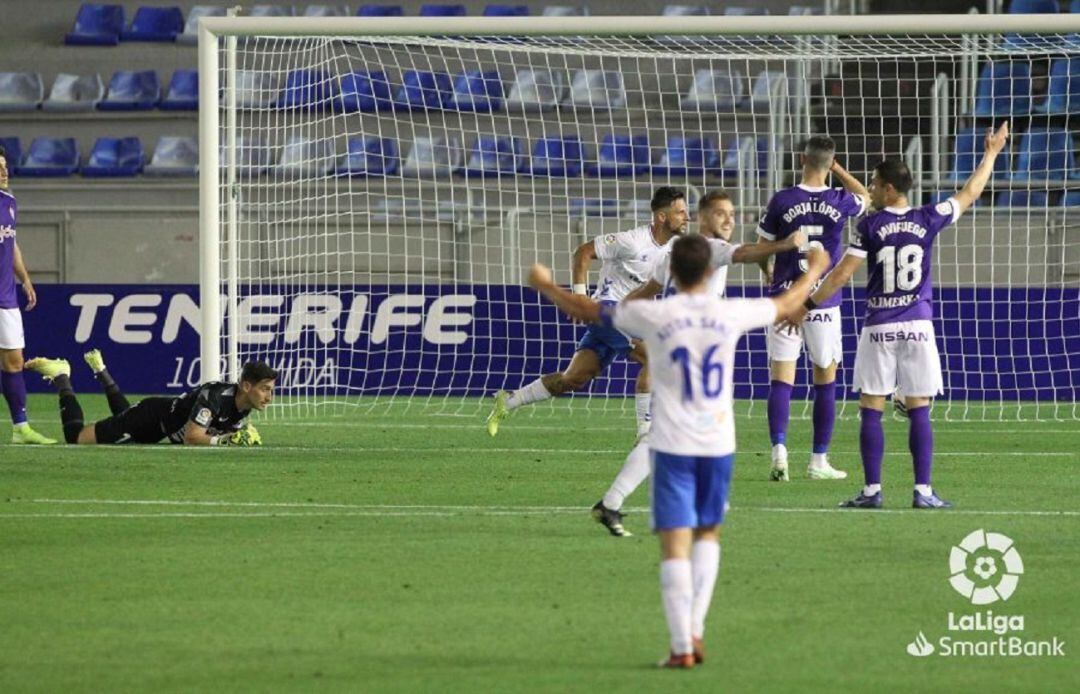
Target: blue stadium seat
[(380, 11), (1046, 153), (803, 10), (594, 207), (968, 150), (273, 11), (1034, 7), (620, 155), (1071, 198), (688, 156), (1003, 90), (75, 93), (190, 35), (174, 156), (442, 11), (364, 91), (256, 89), (506, 11), (253, 156), (745, 11), (494, 156), (154, 24), (1022, 198), (369, 156), (327, 11), (183, 92), (714, 90), (309, 90), (758, 101), (596, 90), (13, 153), (304, 156), (536, 90), (477, 91), (423, 91), (132, 91), (21, 91), (51, 157), (564, 11), (97, 25), (1063, 90), (115, 157), (555, 156), (433, 157), (685, 11)]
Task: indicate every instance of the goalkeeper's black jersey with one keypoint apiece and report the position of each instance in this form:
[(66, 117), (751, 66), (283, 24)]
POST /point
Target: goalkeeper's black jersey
[(211, 405)]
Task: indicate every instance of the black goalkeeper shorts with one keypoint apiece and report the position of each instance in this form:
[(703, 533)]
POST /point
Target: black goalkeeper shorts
[(143, 422)]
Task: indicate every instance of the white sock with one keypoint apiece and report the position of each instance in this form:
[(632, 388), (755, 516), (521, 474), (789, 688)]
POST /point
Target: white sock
[(642, 405), (677, 592), (924, 489), (871, 489), (530, 393), (705, 560), (633, 472), (819, 460), (779, 454)]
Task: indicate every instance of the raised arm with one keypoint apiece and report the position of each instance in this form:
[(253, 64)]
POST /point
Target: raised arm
[(579, 271), (574, 305), (646, 291), (976, 183), (792, 300), (850, 183), (761, 251), (24, 279)]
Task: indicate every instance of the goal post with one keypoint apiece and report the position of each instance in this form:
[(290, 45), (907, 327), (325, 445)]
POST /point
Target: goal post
[(373, 189)]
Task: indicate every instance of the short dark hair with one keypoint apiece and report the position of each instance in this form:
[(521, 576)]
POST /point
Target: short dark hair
[(664, 196), (690, 258), (255, 371), (712, 196), (819, 151), (896, 173)]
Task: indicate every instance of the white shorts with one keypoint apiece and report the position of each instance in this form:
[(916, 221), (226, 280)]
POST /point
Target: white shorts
[(898, 354), (821, 334), (11, 330)]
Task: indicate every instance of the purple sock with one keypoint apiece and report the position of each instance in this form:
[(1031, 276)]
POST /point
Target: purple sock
[(921, 443), (15, 393), (824, 416), (871, 444), (779, 410)]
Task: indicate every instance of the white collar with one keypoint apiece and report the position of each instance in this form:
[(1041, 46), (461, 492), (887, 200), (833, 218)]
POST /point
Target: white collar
[(898, 210), (812, 189)]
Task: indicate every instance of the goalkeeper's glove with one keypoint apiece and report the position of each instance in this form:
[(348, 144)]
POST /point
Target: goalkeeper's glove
[(248, 436)]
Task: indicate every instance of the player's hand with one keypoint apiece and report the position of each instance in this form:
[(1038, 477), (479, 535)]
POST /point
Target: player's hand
[(797, 241), (539, 276), (818, 260), (836, 168), (248, 436), (995, 140), (31, 295)]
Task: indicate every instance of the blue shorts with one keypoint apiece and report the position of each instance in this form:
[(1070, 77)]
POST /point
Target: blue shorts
[(689, 491), (606, 341)]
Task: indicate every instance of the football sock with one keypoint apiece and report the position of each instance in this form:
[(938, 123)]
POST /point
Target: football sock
[(633, 472), (871, 444), (71, 414), (530, 393), (824, 415), (921, 443), (871, 489), (677, 592), (642, 404), (779, 410), (705, 564), (924, 489), (14, 387), (117, 402)]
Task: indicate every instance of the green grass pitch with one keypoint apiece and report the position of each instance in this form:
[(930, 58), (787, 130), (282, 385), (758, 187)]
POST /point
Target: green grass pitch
[(407, 552)]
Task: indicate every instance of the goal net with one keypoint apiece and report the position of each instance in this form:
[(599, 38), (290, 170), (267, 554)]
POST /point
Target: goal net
[(374, 191)]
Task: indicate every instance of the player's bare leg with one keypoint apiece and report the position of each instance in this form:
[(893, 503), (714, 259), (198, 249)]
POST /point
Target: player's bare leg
[(704, 565), (584, 366), (14, 387), (677, 594), (781, 383), (824, 421)]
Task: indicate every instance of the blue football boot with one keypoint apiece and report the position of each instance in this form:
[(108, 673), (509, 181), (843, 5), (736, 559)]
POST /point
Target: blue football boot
[(930, 501), (863, 501)]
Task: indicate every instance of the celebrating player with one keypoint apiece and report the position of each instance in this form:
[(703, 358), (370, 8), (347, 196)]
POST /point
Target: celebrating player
[(896, 347), (627, 257), (692, 337), (716, 222), (211, 415), (11, 327), (819, 212)]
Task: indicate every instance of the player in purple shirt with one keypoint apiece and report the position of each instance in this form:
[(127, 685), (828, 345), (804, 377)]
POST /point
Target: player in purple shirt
[(896, 347), (820, 213), (11, 327)]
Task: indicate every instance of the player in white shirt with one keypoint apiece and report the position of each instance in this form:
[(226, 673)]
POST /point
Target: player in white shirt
[(691, 337), (627, 259)]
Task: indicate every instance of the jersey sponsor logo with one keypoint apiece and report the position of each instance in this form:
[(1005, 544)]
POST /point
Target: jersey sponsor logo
[(900, 336), (880, 302), (818, 317), (203, 417)]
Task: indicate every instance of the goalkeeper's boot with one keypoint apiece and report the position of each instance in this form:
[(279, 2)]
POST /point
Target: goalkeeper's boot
[(22, 434), (864, 501), (610, 519), (499, 412), (49, 368), (823, 471), (779, 471), (675, 661), (95, 361), (931, 500)]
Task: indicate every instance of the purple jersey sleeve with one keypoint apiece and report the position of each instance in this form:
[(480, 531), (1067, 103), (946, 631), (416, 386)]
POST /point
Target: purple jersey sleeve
[(8, 299)]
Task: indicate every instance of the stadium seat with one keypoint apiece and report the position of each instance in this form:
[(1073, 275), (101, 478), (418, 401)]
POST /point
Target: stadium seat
[(364, 91), (433, 157), (688, 156), (564, 11), (1045, 153), (21, 91), (309, 90), (442, 11), (1074, 6), (745, 11), (75, 93), (803, 10), (423, 91), (13, 153), (506, 11), (758, 101), (1071, 198), (369, 156), (303, 155), (183, 92), (380, 11), (51, 157), (594, 207), (190, 35), (730, 165), (555, 156), (256, 89), (968, 150), (174, 156), (713, 90), (685, 11), (1034, 7), (1022, 198), (598, 90), (494, 156), (97, 25), (161, 24), (273, 11), (253, 156), (327, 11), (536, 90), (132, 91), (115, 157), (1003, 90), (1063, 90), (620, 155), (477, 91)]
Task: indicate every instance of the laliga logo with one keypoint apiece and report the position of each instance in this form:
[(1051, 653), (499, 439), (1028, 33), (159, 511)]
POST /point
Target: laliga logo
[(985, 567)]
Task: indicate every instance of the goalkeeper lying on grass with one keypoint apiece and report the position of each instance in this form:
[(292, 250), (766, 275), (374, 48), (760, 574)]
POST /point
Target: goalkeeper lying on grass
[(211, 415)]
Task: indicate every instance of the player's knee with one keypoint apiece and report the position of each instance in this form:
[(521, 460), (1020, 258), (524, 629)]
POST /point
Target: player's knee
[(12, 361)]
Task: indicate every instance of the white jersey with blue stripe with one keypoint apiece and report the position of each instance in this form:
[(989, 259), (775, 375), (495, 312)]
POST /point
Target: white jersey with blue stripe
[(628, 258)]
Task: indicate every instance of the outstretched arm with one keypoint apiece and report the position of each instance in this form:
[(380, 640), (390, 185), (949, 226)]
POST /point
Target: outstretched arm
[(839, 276), (24, 278), (850, 183), (574, 305), (976, 183), (646, 291), (761, 251), (579, 271), (792, 300)]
